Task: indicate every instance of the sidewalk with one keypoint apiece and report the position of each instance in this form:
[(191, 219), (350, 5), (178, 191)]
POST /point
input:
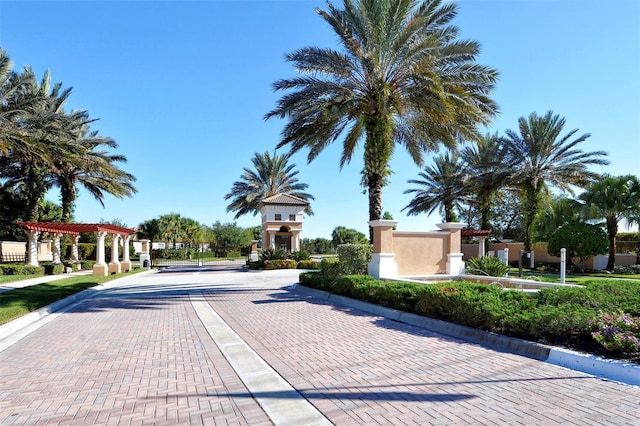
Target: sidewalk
[(243, 348)]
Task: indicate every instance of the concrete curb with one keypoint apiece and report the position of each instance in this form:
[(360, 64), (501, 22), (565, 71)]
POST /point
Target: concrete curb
[(619, 371)]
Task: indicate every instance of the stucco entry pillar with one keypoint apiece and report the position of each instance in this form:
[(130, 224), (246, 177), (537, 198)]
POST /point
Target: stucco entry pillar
[(100, 268), (254, 251), (455, 264), (383, 264)]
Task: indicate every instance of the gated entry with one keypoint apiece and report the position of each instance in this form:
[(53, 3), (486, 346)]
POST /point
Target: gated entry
[(192, 258)]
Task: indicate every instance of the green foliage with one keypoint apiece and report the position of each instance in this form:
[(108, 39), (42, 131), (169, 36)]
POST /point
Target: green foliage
[(280, 264), (300, 255), (255, 265), (53, 268), (21, 269), (317, 245), (354, 258), (229, 237), (580, 239), (630, 270), (273, 253), (488, 265), (553, 315), (307, 264), (342, 235), (87, 264)]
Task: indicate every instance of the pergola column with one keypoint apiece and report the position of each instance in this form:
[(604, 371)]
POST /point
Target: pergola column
[(75, 259), (126, 262), (114, 265), (481, 247), (56, 248), (100, 268), (32, 252)]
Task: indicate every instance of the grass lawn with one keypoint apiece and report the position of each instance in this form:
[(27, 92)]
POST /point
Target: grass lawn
[(11, 278), (21, 301)]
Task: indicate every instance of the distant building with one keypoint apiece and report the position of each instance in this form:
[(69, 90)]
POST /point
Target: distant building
[(282, 218)]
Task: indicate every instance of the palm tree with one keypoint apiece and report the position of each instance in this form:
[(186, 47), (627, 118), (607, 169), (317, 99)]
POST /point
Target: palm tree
[(486, 173), (41, 136), (403, 77), (95, 170), (542, 158), (272, 175), (613, 198), (441, 187)]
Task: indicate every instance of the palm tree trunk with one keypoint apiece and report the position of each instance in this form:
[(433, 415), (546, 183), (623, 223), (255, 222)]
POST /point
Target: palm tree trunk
[(612, 231), (68, 196), (530, 212), (375, 200)]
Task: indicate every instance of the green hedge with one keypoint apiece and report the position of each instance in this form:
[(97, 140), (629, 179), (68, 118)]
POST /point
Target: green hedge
[(559, 315), (53, 268), (307, 264), (280, 264), (20, 269)]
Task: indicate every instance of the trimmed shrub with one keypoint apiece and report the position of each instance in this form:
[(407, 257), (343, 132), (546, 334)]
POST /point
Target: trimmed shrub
[(21, 269), (53, 268), (280, 264), (312, 280), (87, 264), (489, 265), (354, 258), (255, 265), (307, 264)]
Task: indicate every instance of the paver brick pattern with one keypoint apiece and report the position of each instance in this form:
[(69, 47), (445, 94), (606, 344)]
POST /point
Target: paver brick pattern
[(137, 354), (130, 359), (358, 368)]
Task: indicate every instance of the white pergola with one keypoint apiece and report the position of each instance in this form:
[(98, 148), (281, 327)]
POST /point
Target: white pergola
[(57, 229)]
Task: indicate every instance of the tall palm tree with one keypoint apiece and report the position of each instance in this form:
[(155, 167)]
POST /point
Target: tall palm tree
[(613, 198), (486, 173), (272, 175), (402, 77), (42, 137), (440, 188), (95, 170), (542, 158)]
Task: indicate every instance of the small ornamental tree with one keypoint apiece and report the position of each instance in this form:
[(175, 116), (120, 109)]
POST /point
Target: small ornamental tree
[(581, 241)]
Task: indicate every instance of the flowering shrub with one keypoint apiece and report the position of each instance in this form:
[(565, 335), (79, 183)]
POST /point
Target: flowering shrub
[(617, 332)]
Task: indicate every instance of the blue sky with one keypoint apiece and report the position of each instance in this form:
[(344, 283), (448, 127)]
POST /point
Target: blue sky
[(183, 86)]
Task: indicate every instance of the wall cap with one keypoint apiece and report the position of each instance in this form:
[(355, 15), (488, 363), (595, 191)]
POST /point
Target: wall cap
[(451, 225), (379, 223)]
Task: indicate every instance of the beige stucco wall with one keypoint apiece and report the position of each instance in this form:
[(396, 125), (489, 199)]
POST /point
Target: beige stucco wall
[(421, 253), (20, 247)]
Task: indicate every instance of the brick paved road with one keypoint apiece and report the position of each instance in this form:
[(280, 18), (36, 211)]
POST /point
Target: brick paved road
[(138, 354)]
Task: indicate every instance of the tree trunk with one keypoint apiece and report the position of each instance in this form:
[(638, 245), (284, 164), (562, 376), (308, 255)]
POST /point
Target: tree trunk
[(375, 200), (530, 212), (612, 231)]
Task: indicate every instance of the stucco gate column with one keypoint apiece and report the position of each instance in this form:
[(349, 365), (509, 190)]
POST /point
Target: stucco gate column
[(455, 264), (114, 265), (100, 268), (383, 264)]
